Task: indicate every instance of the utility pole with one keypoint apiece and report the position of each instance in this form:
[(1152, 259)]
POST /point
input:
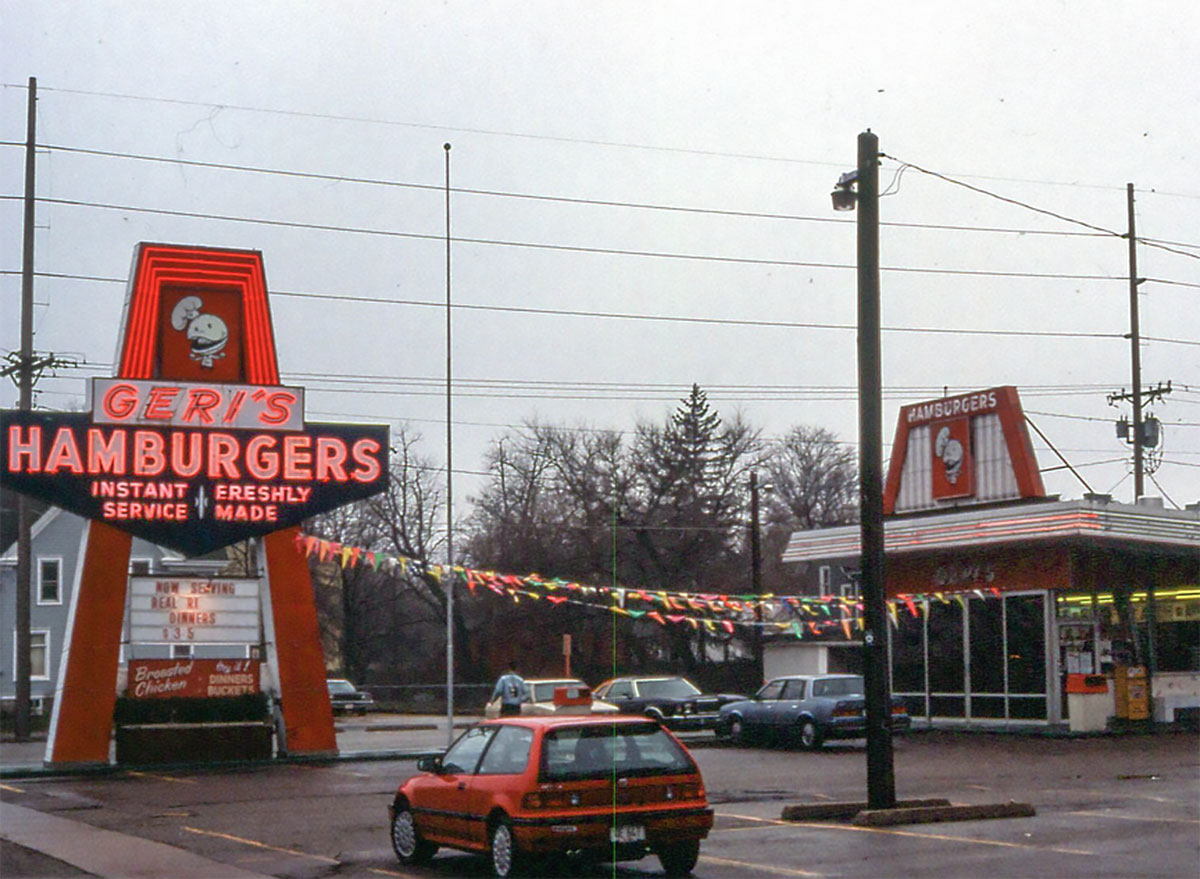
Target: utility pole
[(21, 726), (1135, 352), (881, 781)]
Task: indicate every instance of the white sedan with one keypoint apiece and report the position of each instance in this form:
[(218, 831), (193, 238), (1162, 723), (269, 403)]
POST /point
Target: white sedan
[(557, 696)]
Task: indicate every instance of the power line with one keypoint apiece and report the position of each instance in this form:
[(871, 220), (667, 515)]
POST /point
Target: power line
[(574, 200), (744, 322), (209, 105), (1043, 211), (563, 248)]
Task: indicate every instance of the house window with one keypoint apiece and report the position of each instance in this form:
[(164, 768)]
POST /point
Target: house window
[(39, 655), (139, 567), (824, 579), (49, 581)]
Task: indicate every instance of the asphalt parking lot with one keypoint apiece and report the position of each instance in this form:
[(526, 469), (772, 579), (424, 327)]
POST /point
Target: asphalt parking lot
[(1106, 805)]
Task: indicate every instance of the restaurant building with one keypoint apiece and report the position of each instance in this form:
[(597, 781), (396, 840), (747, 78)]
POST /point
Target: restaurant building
[(997, 592)]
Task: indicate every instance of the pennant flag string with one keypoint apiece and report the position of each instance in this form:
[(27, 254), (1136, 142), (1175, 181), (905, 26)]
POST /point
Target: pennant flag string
[(811, 614)]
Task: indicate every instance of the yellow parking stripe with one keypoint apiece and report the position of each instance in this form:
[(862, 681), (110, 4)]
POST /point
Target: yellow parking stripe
[(1149, 818), (761, 868), (943, 837), (257, 844), (162, 777), (11, 789)]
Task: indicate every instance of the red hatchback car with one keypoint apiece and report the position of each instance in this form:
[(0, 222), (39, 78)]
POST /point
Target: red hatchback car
[(611, 788)]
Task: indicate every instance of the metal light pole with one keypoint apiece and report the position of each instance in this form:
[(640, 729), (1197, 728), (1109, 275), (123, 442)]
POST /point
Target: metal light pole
[(449, 583), (756, 575), (881, 780)]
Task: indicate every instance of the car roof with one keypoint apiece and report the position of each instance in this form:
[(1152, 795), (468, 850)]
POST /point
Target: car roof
[(554, 681), (812, 677), (646, 678), (560, 720)]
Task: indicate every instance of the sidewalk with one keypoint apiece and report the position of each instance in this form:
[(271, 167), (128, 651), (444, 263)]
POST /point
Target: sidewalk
[(374, 737), (50, 844)]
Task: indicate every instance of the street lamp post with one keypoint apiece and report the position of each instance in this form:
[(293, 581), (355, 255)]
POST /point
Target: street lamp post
[(881, 781), (756, 574)]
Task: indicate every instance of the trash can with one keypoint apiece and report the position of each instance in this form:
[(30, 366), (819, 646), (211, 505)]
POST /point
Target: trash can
[(1089, 703)]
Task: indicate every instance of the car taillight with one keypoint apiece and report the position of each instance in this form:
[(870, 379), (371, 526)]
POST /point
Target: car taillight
[(556, 799), (843, 709), (899, 708)]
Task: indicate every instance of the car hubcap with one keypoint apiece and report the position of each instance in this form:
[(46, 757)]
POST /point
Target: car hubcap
[(735, 730), (404, 835), (808, 735), (502, 850)]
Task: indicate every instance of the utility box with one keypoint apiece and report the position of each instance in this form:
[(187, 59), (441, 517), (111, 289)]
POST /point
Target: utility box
[(1132, 691), (1089, 703)]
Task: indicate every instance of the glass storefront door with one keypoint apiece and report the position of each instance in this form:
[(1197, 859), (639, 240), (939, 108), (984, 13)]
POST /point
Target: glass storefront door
[(973, 658)]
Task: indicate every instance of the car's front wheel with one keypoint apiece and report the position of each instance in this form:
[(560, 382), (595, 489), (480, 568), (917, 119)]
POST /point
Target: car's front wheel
[(679, 858), (506, 859), (410, 848), (810, 735), (737, 730)]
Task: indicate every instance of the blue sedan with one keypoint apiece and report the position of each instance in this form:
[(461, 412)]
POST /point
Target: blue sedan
[(806, 709)]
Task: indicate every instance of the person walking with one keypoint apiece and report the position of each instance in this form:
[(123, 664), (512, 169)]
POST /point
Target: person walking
[(510, 689)]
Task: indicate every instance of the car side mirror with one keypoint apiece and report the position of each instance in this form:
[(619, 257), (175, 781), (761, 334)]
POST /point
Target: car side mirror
[(430, 764)]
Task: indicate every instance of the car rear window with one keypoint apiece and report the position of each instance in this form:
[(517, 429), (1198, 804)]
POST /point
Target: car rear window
[(620, 749), (839, 687), (673, 688)]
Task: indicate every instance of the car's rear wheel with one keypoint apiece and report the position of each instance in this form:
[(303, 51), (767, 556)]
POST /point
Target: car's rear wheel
[(506, 859), (810, 735), (406, 839), (737, 730), (679, 858)]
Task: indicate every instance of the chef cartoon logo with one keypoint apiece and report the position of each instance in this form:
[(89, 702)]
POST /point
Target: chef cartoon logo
[(206, 333), (952, 458)]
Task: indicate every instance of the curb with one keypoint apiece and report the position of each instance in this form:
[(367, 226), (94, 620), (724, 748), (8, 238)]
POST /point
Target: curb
[(828, 811), (935, 814), (928, 811)]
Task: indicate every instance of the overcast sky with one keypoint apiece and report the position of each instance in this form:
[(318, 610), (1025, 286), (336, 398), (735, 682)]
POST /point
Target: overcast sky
[(641, 201)]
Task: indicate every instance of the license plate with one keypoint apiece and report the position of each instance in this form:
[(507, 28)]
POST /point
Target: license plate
[(628, 833)]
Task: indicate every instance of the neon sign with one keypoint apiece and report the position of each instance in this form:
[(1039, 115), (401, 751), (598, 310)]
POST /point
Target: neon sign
[(194, 490), (129, 401)]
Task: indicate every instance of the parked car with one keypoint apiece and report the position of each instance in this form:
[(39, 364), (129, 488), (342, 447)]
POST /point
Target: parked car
[(344, 697), (806, 709), (675, 701), (515, 788), (541, 699)]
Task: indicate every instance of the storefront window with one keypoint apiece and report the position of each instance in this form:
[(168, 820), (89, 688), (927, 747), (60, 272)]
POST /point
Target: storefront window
[(987, 647), (1025, 630), (946, 677), (908, 662)]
